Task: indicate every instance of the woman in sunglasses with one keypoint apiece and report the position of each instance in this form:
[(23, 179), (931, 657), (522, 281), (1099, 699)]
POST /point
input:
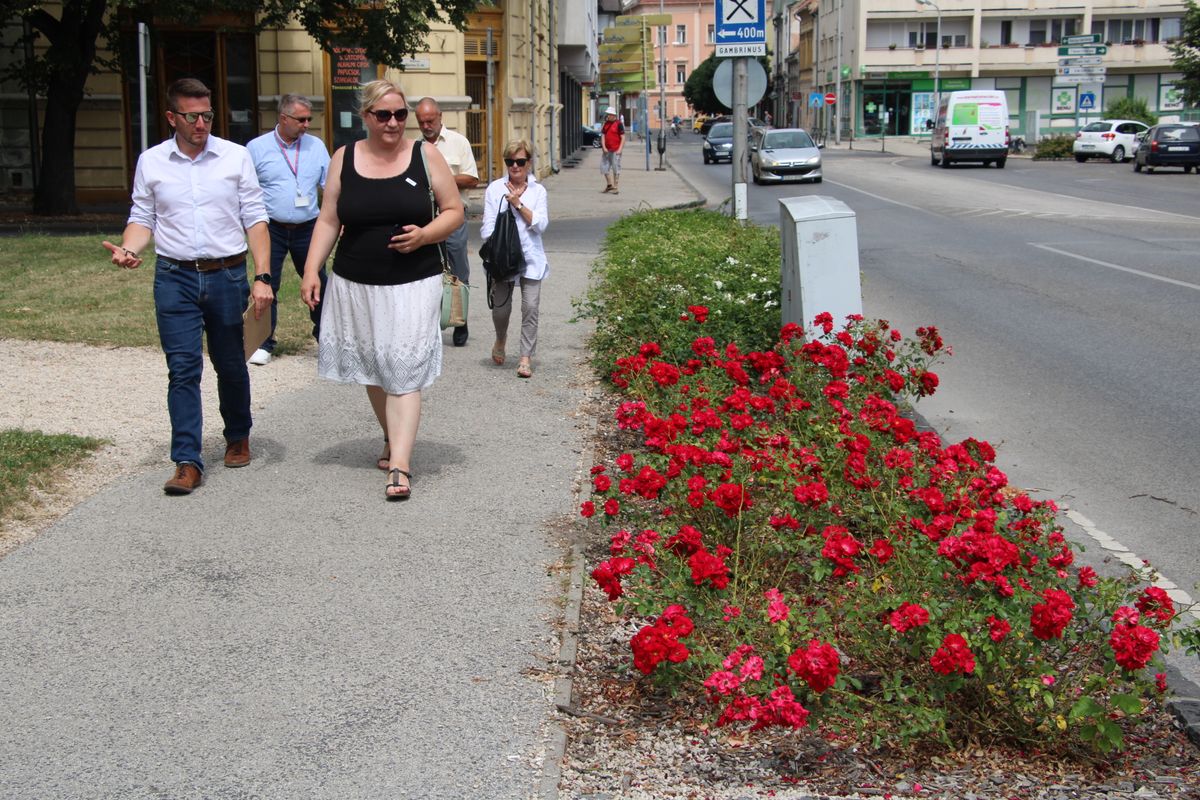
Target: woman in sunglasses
[(380, 317), (519, 190)]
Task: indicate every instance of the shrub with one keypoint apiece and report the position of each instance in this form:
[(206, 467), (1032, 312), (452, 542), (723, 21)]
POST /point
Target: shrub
[(1131, 108), (1054, 147), (655, 264), (796, 546)]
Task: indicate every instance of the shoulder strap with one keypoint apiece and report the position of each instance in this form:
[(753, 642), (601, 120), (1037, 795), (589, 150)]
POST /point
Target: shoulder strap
[(433, 207)]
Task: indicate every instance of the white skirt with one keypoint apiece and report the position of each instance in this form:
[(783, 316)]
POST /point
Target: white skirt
[(387, 336)]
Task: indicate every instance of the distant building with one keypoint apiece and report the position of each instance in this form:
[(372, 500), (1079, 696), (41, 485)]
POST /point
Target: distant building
[(882, 59)]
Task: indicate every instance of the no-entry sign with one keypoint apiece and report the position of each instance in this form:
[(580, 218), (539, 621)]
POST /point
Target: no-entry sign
[(830, 99)]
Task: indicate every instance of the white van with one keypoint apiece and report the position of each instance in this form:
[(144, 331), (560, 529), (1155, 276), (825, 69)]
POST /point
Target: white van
[(971, 126)]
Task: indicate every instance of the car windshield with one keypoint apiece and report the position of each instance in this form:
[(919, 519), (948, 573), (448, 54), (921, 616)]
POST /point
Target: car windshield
[(1097, 127), (779, 140), (722, 130)]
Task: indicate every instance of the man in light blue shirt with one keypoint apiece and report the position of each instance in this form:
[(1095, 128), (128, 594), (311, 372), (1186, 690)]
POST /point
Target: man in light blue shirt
[(291, 166), (198, 196)]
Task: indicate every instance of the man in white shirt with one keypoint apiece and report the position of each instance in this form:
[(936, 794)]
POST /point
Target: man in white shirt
[(291, 167), (456, 149), (198, 196)]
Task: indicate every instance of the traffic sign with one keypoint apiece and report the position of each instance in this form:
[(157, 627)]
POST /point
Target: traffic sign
[(1084, 50), (644, 19), (816, 100), (741, 28), (1087, 101), (1081, 61), (1100, 71), (1078, 79), (830, 99), (1083, 38)]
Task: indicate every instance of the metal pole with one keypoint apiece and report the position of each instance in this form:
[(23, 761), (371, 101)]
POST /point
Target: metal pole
[(491, 102), (740, 81), (143, 37), (662, 97), (837, 106)]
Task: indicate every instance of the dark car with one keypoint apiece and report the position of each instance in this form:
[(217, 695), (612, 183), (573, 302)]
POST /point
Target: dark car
[(591, 135), (708, 123), (1172, 145), (718, 144)]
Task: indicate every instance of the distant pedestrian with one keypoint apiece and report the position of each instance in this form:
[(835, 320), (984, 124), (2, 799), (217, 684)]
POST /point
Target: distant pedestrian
[(199, 197), (767, 118), (291, 166), (456, 149), (380, 326), (528, 199), (612, 142)]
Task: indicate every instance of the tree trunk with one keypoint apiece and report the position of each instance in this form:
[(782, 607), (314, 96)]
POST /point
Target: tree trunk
[(55, 193), (70, 57)]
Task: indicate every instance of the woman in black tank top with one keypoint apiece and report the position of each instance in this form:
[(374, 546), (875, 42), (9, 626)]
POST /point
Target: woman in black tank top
[(380, 316)]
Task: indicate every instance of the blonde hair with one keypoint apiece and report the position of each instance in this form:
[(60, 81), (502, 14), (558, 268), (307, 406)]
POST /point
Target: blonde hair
[(516, 146), (371, 93)]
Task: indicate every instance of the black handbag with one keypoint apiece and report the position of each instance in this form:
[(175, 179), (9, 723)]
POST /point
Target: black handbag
[(503, 258)]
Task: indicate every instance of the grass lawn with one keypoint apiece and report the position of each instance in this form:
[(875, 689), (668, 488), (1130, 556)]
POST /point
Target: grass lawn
[(29, 458)]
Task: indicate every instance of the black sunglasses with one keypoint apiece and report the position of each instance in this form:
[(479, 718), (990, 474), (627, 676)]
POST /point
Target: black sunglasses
[(192, 116), (302, 120), (384, 116), (520, 162)]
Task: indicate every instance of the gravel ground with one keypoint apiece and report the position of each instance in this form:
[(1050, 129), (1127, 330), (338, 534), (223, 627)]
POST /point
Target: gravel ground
[(118, 394)]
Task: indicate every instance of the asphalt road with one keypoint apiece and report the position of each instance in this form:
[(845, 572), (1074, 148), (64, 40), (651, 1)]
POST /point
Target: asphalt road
[(1070, 294)]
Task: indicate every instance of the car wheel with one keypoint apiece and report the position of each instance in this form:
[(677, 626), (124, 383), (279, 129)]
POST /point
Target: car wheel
[(1118, 154), (1150, 169), (706, 161), (1187, 168), (1081, 159), (1000, 162), (933, 160), (754, 176), (1137, 167), (945, 161), (817, 180)]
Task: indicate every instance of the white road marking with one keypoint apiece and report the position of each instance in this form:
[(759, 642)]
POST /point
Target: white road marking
[(1118, 267), (1122, 553)]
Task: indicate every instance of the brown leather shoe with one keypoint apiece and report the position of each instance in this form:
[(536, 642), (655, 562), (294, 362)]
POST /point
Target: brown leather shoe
[(237, 454), (187, 477)]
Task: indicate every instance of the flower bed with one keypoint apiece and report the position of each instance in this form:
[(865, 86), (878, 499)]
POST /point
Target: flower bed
[(794, 546)]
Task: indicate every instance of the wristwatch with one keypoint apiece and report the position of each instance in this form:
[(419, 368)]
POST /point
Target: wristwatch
[(265, 277)]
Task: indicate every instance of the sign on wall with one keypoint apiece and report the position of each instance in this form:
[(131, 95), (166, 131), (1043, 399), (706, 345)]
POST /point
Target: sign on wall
[(1062, 100), (1169, 98)]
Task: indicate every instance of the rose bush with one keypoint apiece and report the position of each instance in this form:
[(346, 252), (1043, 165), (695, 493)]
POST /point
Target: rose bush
[(797, 546)]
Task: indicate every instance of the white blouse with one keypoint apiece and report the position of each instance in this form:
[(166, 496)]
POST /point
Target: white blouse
[(534, 198)]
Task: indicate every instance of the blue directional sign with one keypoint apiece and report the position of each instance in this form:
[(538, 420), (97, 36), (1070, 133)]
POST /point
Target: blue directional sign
[(741, 28)]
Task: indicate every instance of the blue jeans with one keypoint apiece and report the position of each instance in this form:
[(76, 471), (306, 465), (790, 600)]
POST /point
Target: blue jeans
[(456, 254), (293, 242), (189, 304)]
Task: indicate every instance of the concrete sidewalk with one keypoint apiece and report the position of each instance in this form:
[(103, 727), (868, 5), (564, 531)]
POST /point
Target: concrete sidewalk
[(285, 632)]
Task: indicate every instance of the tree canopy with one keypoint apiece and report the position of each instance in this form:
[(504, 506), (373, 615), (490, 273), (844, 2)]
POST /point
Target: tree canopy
[(389, 30), (698, 91), (1187, 55)]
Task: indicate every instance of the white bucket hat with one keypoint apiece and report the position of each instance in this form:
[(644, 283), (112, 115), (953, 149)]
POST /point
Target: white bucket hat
[(610, 110)]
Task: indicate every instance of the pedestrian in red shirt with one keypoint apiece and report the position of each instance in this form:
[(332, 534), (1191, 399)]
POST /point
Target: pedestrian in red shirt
[(612, 142)]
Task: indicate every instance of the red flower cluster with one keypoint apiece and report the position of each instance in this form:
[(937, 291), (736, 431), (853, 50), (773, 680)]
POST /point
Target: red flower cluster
[(841, 548), (817, 665), (1156, 604), (953, 656), (998, 628), (659, 642), (1133, 645), (1049, 619), (908, 616), (608, 575), (710, 567)]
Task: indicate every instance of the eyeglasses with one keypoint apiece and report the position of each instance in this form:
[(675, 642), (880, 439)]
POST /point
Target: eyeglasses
[(520, 162), (301, 120), (192, 116), (385, 116)]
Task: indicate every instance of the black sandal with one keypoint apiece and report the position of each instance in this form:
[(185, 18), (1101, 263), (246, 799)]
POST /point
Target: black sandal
[(404, 492)]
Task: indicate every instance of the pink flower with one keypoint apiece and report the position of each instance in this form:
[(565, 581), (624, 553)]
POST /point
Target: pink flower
[(777, 609)]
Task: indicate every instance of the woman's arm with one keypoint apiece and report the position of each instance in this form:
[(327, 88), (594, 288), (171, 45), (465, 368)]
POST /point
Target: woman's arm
[(325, 233), (536, 202), (449, 202)]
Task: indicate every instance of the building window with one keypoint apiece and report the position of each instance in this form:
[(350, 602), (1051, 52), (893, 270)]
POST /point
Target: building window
[(924, 36), (681, 73), (1170, 29), (711, 34), (1006, 32), (1060, 28), (662, 72), (1037, 31), (681, 34)]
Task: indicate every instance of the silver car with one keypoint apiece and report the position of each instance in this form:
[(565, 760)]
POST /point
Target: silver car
[(784, 154)]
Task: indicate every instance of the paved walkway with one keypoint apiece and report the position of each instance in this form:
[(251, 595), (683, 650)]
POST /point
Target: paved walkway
[(285, 632)]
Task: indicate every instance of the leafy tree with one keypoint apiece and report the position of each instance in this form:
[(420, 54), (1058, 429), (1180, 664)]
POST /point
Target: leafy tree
[(388, 29), (698, 91), (1187, 55), (1131, 108)]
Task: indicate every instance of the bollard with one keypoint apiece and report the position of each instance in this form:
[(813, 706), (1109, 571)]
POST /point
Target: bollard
[(819, 269)]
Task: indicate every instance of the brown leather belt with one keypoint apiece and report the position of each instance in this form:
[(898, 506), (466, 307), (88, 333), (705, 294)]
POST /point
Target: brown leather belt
[(210, 264), (291, 226)]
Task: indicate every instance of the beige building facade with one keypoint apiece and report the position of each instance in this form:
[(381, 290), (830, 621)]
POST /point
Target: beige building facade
[(521, 70)]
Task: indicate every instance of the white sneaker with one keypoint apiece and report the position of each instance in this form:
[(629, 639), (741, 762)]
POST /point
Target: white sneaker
[(260, 357)]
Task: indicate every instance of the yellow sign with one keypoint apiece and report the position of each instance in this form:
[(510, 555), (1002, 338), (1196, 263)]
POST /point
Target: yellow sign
[(625, 35)]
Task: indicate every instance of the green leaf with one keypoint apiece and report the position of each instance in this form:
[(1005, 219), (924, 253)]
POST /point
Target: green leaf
[(1085, 707), (1128, 703)]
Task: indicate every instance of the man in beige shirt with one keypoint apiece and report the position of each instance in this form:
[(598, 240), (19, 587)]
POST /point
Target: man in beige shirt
[(457, 151)]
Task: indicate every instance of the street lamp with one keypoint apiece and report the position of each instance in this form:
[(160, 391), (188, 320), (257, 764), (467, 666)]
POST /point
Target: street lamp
[(937, 55)]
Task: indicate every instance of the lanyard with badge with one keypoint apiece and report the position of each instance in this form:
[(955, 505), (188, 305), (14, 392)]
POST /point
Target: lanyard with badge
[(302, 200)]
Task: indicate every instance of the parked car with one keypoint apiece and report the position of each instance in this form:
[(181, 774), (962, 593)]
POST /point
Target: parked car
[(591, 135), (708, 123), (1173, 145), (718, 144), (1114, 139), (970, 126), (784, 154)]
